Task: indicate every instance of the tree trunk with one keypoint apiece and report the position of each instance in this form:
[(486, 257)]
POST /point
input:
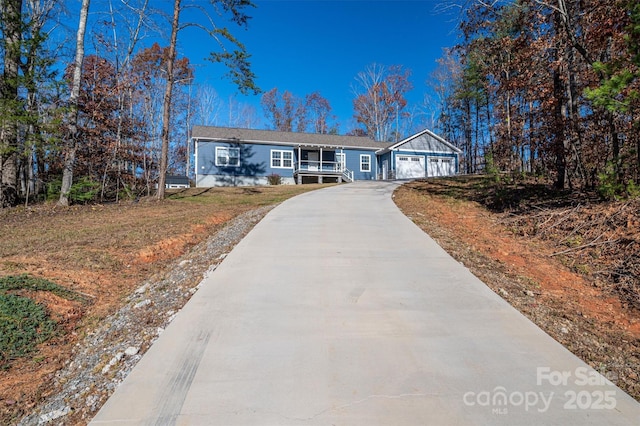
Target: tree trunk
[(166, 111), (12, 18), (71, 142), (559, 135)]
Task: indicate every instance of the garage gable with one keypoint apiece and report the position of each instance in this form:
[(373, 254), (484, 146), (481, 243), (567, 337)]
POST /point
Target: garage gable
[(424, 154), (425, 141)]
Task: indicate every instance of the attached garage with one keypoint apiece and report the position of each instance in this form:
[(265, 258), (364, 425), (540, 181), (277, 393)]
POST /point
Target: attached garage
[(410, 167), (424, 154)]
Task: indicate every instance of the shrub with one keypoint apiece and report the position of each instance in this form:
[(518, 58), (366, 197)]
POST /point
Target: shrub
[(609, 187), (23, 325), (83, 191), (274, 179)]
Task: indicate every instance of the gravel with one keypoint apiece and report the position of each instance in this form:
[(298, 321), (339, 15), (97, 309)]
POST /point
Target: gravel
[(102, 360)]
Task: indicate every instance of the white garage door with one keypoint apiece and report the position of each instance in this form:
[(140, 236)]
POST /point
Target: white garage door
[(409, 167), (441, 167)]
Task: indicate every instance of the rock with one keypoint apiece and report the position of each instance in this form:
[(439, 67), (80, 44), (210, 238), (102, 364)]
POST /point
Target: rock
[(142, 289), (503, 292), (116, 359), (142, 304), (131, 351), (55, 414)]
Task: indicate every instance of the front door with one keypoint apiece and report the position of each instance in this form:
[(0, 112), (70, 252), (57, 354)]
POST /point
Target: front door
[(341, 161), (314, 161)]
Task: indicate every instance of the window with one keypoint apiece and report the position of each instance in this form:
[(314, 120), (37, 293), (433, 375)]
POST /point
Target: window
[(227, 157), (365, 163), (281, 159)]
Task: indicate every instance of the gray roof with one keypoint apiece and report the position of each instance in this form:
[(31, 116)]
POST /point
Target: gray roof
[(287, 138)]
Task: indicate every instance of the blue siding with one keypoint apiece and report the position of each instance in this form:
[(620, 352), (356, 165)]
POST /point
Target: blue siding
[(381, 159), (353, 163), (255, 160)]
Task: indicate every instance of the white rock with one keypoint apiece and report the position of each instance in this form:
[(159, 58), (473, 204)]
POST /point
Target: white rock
[(116, 359), (131, 351), (142, 289), (55, 414), (142, 304)]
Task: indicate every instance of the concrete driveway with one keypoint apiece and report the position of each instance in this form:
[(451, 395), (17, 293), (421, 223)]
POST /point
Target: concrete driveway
[(337, 310)]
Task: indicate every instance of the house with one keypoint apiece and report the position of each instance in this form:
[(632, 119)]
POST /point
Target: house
[(175, 182), (229, 156)]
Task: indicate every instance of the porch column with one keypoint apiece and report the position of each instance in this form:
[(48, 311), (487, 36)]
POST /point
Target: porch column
[(299, 158), (320, 163)]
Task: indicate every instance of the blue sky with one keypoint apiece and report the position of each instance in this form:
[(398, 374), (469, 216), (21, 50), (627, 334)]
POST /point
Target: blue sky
[(320, 45)]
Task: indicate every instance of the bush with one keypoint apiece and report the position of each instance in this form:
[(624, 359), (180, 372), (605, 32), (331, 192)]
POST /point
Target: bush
[(274, 179), (83, 191), (23, 325)]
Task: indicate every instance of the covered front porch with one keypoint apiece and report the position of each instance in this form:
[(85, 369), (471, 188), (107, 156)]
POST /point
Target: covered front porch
[(320, 165)]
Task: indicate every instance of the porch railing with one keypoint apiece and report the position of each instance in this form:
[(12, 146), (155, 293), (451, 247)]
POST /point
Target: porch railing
[(347, 175), (319, 166)]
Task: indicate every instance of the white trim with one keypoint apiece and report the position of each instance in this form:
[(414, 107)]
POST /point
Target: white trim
[(281, 159), (228, 149), (195, 160), (417, 135), (368, 162), (373, 149), (341, 159), (400, 151)]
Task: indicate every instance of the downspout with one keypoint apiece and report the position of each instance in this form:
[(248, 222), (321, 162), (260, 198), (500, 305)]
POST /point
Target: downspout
[(195, 160)]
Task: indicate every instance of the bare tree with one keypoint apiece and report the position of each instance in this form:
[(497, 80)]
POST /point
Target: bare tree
[(236, 61), (380, 100), (166, 111), (207, 106), (71, 141), (242, 115), (34, 68), (134, 19)]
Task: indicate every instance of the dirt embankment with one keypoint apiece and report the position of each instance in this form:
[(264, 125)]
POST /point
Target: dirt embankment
[(567, 261)]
